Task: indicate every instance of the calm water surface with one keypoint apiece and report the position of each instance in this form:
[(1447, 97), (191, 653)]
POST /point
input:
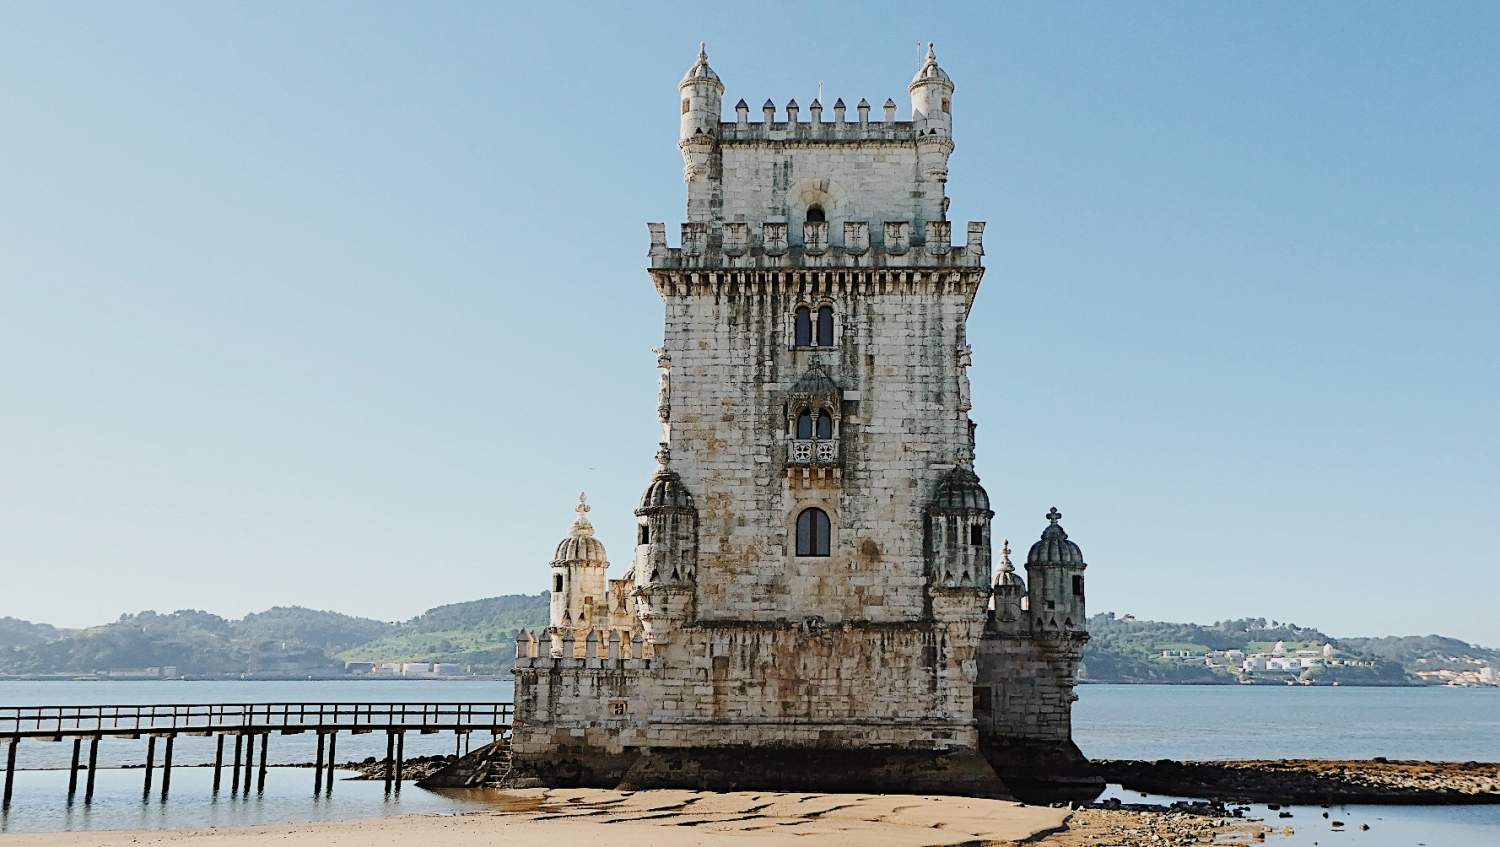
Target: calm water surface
[(1110, 721)]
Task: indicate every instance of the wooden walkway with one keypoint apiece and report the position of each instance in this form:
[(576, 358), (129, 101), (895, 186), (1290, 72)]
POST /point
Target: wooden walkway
[(245, 723)]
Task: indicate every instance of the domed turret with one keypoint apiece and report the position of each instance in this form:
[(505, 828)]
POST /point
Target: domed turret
[(961, 490), (1055, 567), (1010, 592), (1054, 548), (666, 552), (578, 575), (932, 98), (958, 531), (702, 93)]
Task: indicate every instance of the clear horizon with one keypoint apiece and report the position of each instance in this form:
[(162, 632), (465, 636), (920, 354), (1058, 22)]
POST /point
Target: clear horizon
[(340, 306)]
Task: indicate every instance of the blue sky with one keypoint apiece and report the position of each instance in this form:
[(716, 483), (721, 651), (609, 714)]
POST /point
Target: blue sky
[(342, 304)]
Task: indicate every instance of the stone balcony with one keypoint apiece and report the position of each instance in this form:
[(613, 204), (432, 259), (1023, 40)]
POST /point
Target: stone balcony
[(847, 244)]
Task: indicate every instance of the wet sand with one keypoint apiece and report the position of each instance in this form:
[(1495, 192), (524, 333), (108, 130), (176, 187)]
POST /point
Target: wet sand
[(600, 818)]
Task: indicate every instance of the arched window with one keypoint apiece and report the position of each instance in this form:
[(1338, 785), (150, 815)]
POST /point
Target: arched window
[(812, 425), (825, 326), (812, 533), (815, 214), (804, 329)]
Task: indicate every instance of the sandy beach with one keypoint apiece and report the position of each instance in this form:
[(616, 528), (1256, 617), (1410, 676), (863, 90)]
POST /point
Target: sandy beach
[(548, 817)]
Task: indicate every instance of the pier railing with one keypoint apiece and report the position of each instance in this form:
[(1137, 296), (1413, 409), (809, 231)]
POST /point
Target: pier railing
[(207, 718)]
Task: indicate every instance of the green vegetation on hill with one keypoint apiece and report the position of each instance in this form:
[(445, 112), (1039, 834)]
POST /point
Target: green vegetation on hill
[(1123, 649), (479, 634), (283, 641)]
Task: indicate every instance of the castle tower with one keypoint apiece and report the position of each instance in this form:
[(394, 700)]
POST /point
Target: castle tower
[(812, 574), (1055, 569), (578, 578)]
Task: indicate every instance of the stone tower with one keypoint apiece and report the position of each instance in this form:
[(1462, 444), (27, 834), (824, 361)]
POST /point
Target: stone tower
[(812, 580)]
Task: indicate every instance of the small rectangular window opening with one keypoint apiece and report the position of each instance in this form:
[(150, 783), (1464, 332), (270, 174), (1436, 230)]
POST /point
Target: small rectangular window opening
[(557, 583), (1078, 586), (976, 535), (684, 105), (645, 534)]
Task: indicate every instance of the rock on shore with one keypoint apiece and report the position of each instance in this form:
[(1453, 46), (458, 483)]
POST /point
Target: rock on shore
[(1312, 780)]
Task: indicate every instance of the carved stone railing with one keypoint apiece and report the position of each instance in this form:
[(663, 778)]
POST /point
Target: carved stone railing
[(805, 451)]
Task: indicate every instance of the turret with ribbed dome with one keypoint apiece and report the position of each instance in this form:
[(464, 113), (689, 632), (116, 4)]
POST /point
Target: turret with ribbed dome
[(1055, 569), (958, 531), (932, 98), (1010, 595), (578, 576), (666, 552), (702, 95)]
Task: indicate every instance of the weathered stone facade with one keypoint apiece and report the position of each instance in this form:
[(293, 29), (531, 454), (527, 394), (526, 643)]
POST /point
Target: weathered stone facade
[(812, 582)]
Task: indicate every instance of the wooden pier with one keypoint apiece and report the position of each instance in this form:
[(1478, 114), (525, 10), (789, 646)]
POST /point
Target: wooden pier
[(250, 724)]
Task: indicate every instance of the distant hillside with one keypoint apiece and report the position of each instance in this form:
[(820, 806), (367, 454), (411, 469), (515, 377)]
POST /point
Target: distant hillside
[(283, 641), (479, 634), (1124, 649), (1425, 652), (15, 632)]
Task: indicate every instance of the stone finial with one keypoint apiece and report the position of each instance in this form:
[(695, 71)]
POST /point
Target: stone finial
[(581, 526), (663, 454), (769, 110), (1054, 516), (890, 110), (1005, 564), (838, 111), (791, 111), (864, 111)]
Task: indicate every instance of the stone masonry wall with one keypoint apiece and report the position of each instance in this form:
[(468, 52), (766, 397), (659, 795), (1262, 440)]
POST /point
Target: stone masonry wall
[(733, 364)]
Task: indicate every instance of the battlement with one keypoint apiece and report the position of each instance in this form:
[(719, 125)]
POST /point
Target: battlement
[(848, 244), (842, 129), (600, 650)]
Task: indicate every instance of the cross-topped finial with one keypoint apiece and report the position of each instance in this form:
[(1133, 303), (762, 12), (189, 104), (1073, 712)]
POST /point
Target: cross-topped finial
[(703, 50), (583, 503), (1005, 564), (1054, 516), (581, 525)]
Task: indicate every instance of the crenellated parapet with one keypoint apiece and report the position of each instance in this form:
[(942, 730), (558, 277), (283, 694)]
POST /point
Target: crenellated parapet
[(846, 244)]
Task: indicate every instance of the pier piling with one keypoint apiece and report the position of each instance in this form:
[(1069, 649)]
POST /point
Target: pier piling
[(218, 760), (234, 781), (166, 766), (260, 781), (333, 738), (249, 761), (150, 761), (10, 772), (318, 767), (88, 788), (400, 753), (73, 768), (390, 758)]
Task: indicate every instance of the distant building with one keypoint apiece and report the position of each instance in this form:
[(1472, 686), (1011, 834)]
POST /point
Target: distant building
[(447, 669), (359, 667), (416, 668)]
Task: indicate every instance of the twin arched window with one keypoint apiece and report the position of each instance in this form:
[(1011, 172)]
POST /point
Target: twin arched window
[(812, 425), (813, 531), (805, 337)]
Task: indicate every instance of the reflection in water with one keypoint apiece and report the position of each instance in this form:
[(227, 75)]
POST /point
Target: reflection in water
[(41, 803)]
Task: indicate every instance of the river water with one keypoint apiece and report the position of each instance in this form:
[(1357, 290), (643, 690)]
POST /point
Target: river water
[(1110, 721)]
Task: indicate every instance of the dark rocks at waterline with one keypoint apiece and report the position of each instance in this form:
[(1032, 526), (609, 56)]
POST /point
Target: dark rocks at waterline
[(1313, 780)]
